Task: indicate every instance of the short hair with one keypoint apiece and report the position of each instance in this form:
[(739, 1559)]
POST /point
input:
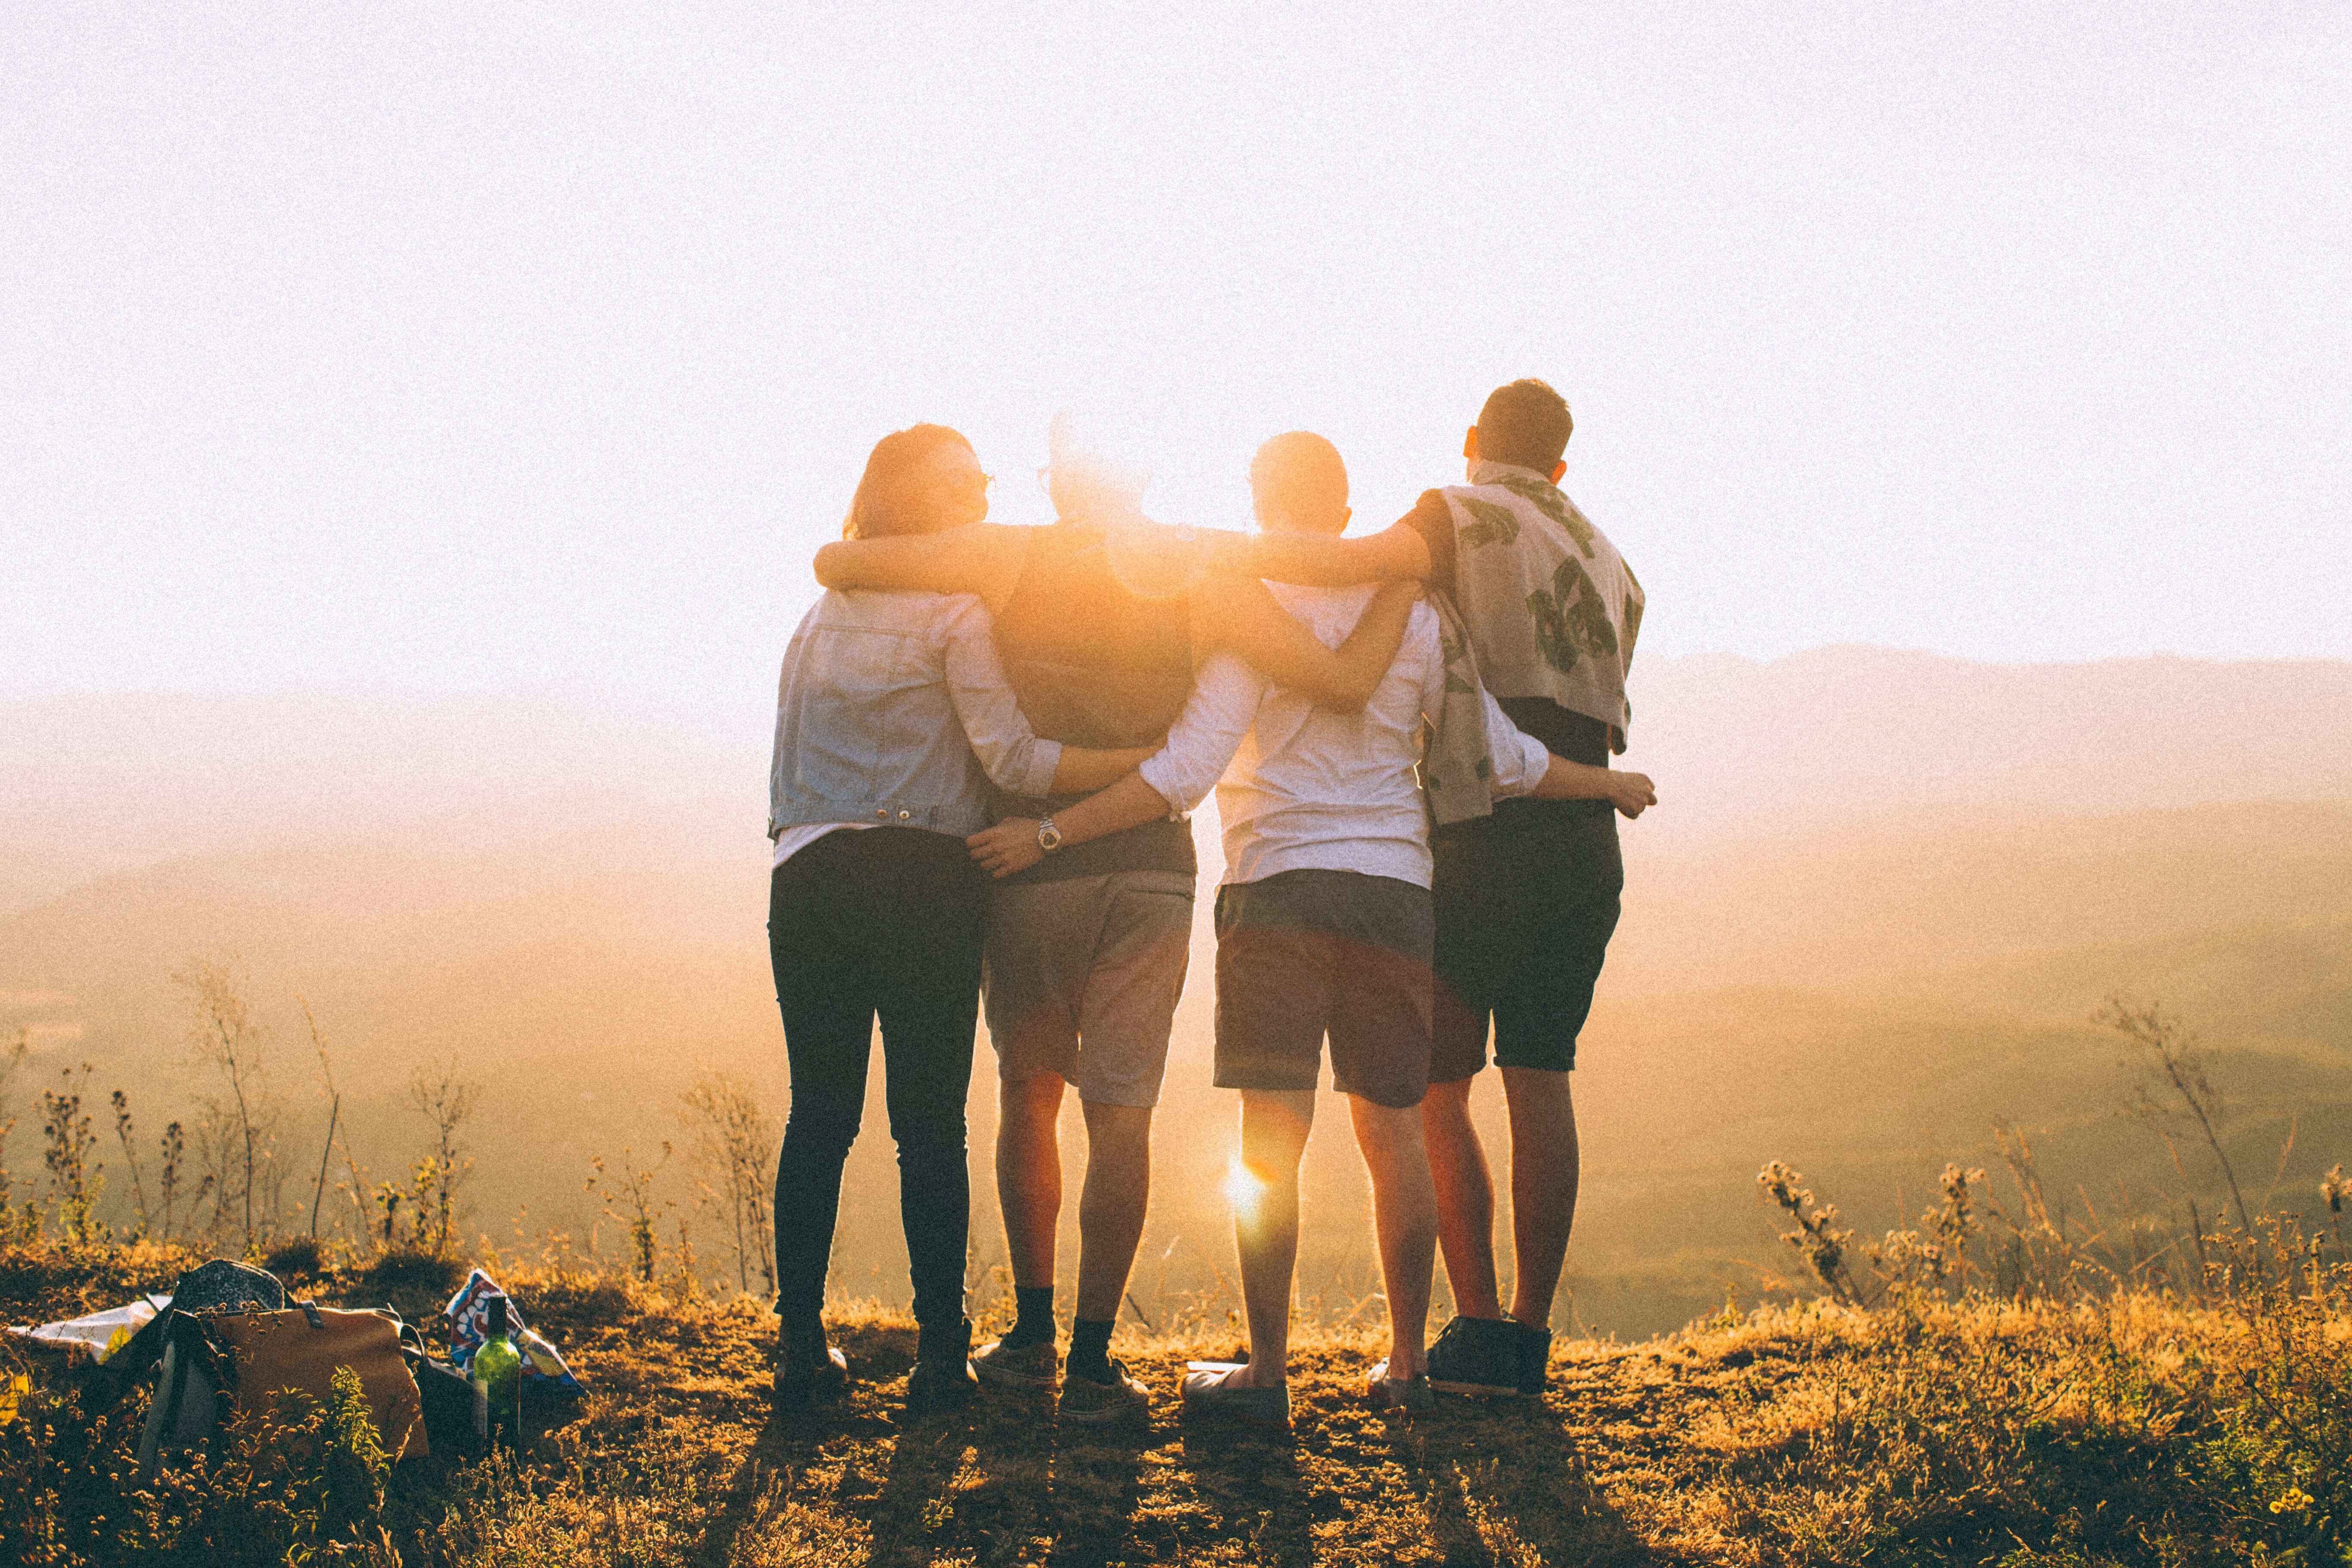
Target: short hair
[(1525, 424), (1300, 475), (879, 509)]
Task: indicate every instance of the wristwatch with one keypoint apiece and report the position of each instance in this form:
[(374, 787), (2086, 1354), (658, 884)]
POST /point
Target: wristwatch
[(1049, 838)]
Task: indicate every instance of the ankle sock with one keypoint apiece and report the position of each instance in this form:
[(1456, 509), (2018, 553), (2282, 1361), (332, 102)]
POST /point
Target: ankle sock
[(1090, 1349), (1034, 1323)]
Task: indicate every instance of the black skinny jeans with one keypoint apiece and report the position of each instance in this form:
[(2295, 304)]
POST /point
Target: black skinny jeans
[(883, 921)]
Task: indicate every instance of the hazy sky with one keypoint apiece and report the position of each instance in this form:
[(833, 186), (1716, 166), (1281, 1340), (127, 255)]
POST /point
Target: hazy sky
[(535, 346)]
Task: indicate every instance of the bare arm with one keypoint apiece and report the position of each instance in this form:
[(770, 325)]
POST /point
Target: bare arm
[(1200, 745), (1522, 766), (982, 558), (1012, 845), (1009, 749), (1396, 553), (1239, 616), (1083, 769), (1631, 793)]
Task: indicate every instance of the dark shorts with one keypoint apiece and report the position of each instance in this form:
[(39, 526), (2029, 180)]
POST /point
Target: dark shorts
[(1526, 901), (1312, 953)]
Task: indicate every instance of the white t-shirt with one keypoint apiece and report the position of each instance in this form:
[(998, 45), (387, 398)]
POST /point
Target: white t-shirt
[(792, 840), (1301, 787)]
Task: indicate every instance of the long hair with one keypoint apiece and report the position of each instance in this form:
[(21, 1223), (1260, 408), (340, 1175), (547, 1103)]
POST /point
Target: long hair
[(879, 509)]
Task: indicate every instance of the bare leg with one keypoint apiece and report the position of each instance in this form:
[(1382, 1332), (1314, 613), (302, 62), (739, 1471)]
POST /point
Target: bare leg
[(1466, 1199), (1404, 1212), (1029, 1174), (1545, 1167), (1112, 1204), (1265, 1229)]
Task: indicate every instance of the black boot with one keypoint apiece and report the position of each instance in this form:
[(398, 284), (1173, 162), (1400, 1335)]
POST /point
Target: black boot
[(942, 1378), (808, 1370)]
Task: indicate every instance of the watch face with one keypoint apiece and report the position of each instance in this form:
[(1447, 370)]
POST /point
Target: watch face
[(1049, 838)]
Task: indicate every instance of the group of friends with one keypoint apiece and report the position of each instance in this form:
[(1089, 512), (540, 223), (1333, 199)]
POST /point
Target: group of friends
[(988, 740)]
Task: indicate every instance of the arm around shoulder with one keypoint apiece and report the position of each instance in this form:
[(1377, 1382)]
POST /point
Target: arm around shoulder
[(982, 558), (1396, 553), (1013, 845), (1238, 615)]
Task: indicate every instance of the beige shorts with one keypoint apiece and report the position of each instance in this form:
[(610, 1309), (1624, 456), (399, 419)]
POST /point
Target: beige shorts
[(1081, 977)]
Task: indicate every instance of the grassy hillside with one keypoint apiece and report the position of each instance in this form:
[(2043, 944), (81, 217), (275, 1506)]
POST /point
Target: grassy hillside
[(1868, 1003), (2131, 1431)]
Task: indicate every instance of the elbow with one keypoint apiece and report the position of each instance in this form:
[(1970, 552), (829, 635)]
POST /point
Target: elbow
[(828, 559), (1176, 795), (1037, 772)]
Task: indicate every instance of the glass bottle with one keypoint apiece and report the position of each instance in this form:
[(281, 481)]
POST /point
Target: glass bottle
[(497, 1376)]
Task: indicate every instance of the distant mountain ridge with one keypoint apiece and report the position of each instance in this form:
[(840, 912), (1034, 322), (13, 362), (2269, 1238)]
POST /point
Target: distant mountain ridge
[(1859, 979), (1738, 746)]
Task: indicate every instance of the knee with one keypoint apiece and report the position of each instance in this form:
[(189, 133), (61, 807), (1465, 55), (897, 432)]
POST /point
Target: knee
[(929, 1137), (1030, 1102), (1118, 1130), (819, 1129), (1447, 1104)]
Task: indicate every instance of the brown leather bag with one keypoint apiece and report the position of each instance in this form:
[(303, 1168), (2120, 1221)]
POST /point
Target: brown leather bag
[(299, 1350)]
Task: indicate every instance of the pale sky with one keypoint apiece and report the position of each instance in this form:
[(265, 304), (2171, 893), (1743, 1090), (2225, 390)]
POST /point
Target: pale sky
[(534, 347)]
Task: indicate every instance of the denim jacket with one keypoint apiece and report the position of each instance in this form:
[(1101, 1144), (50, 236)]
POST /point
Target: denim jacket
[(893, 709)]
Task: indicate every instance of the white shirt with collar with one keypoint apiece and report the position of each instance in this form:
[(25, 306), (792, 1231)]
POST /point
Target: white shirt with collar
[(1301, 787)]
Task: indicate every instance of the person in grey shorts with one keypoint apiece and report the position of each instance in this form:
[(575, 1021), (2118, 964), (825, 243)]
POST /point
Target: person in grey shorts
[(1088, 941), (1325, 927), (1083, 977)]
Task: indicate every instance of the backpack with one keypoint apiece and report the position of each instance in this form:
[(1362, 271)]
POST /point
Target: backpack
[(218, 1285), (236, 1346)]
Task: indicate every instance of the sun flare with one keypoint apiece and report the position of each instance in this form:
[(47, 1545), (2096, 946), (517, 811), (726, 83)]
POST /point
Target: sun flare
[(1243, 1189)]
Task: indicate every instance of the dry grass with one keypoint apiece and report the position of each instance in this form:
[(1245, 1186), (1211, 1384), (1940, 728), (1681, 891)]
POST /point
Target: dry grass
[(2130, 1431)]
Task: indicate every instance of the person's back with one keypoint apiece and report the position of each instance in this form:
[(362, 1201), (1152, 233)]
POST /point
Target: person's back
[(866, 723), (1095, 662), (1311, 787)]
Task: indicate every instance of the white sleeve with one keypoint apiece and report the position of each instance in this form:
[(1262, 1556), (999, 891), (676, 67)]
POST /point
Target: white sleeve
[(1423, 637), (1012, 755), (1203, 740), (1521, 760)]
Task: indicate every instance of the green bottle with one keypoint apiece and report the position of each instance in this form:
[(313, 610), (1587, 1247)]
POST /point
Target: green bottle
[(497, 1377)]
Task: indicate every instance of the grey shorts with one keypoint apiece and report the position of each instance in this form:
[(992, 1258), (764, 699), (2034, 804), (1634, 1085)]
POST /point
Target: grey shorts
[(1080, 978), (1311, 952)]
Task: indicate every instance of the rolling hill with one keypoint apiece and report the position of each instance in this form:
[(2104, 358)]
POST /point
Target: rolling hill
[(1861, 990)]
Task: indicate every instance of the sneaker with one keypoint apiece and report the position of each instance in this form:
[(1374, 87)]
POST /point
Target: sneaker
[(1535, 1358), (1477, 1355), (1410, 1394), (1210, 1392), (943, 1376), (1093, 1404), (808, 1370), (1024, 1367)]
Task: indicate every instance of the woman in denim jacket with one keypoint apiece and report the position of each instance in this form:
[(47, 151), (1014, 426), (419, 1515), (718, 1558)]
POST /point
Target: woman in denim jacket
[(892, 718)]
